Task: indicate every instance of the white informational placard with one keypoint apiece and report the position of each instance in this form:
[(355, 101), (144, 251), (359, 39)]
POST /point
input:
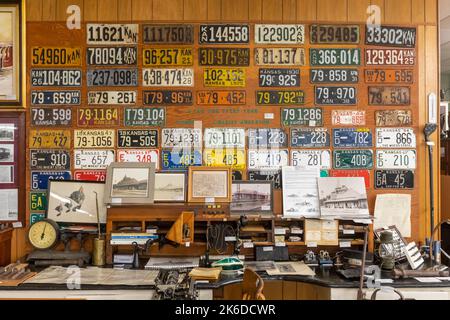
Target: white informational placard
[(9, 209), (393, 210)]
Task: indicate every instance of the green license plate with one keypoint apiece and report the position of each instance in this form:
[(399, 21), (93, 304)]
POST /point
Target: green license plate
[(352, 159), (38, 201), (309, 117), (144, 117)]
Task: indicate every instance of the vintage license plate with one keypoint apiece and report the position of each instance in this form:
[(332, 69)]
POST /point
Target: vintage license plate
[(352, 159), (334, 34), (396, 159), (49, 160), (279, 33), (167, 97), (333, 76), (226, 57), (93, 159), (277, 97), (393, 118), (266, 138), (90, 175), (236, 175), (168, 77), (167, 57), (38, 201), (234, 158), (352, 138), (181, 138), (335, 57), (264, 175), (280, 56), (35, 217), (311, 159), (388, 36), (155, 117), (168, 34), (55, 77), (98, 117), (348, 118), (394, 76), (310, 138), (112, 97), (309, 117), (137, 138), (49, 139), (335, 95), (224, 33), (350, 174), (279, 77), (389, 96), (112, 34), (112, 77), (111, 56), (68, 97), (94, 138), (267, 159), (139, 155), (56, 57), (224, 77), (221, 97), (180, 159), (224, 138), (394, 179), (390, 57), (396, 138), (39, 179), (51, 117)]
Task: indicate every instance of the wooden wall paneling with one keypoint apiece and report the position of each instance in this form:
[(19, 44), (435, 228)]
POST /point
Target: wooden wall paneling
[(357, 10), (61, 8), (272, 10), (398, 11), (380, 4), (235, 10), (289, 10), (107, 10), (34, 10), (90, 10), (124, 10), (254, 10), (214, 10), (418, 11), (431, 11), (195, 10), (332, 10), (142, 10), (168, 10), (48, 10), (306, 10)]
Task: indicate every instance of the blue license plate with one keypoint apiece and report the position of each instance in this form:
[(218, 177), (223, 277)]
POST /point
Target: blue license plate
[(39, 179), (67, 97), (352, 138), (310, 138), (180, 159)]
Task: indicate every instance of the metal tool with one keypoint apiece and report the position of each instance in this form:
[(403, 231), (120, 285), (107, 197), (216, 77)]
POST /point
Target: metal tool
[(429, 129), (400, 273)]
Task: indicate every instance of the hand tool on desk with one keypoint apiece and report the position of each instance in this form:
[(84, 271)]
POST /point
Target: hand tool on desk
[(399, 273)]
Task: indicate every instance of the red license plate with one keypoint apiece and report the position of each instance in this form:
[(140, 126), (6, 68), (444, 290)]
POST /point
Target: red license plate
[(90, 175), (352, 173)]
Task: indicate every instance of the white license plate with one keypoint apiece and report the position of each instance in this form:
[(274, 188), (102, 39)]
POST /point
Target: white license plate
[(154, 77), (224, 138), (396, 159), (93, 159), (139, 155), (94, 138), (280, 33), (311, 159), (396, 138), (112, 97), (109, 34), (267, 159), (181, 137), (348, 118)]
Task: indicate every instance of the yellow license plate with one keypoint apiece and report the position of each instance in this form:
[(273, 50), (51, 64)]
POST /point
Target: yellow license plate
[(234, 158), (50, 139), (94, 138), (224, 77), (56, 56), (168, 57)]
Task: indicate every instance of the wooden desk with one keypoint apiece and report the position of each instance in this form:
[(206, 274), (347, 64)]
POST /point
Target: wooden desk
[(5, 246)]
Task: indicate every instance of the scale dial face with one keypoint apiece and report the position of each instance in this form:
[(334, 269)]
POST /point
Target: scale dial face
[(43, 234)]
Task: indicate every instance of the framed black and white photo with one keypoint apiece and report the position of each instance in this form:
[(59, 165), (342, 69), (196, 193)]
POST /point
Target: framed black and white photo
[(7, 132), (6, 174), (75, 202), (251, 197), (170, 187), (130, 183), (6, 152)]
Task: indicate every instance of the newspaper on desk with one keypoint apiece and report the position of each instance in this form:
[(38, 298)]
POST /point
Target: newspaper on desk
[(170, 263), (290, 269)]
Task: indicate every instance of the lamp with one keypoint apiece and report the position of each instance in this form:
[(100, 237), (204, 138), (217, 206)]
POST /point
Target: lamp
[(386, 250)]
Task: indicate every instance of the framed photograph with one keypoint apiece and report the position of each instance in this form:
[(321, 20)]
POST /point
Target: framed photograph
[(7, 132), (130, 183), (75, 202), (6, 152), (251, 197), (10, 53), (170, 187), (9, 210), (6, 174), (209, 184)]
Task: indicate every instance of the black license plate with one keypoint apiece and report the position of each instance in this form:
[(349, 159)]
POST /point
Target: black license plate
[(236, 175), (391, 36), (389, 96), (112, 77), (276, 97), (260, 175), (333, 76), (231, 57), (309, 117), (266, 138), (335, 95), (335, 57), (279, 77), (310, 138), (168, 34), (168, 97), (323, 34), (137, 138), (394, 179), (224, 33), (111, 56), (70, 97), (51, 116), (56, 77), (49, 160)]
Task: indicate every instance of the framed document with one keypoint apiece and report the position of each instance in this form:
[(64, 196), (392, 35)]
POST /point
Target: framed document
[(209, 184)]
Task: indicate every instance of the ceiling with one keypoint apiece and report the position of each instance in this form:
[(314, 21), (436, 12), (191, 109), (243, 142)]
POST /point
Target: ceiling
[(444, 13)]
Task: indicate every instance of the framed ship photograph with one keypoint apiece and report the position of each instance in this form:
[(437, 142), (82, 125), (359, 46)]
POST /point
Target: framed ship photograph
[(170, 187), (252, 197), (209, 184)]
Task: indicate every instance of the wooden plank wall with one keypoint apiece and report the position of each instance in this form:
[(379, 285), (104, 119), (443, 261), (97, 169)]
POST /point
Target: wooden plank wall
[(422, 13)]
